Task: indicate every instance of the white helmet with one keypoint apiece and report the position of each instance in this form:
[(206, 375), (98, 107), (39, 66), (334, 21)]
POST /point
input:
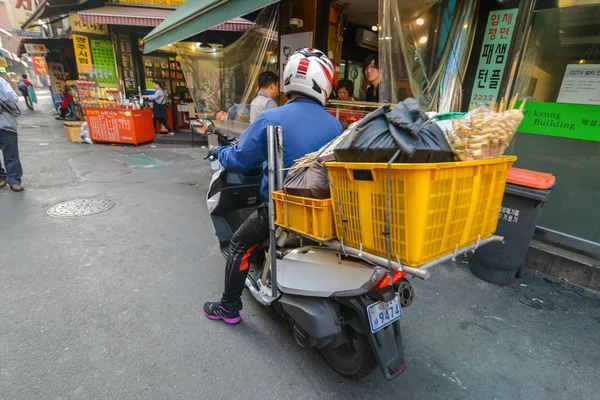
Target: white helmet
[(309, 72)]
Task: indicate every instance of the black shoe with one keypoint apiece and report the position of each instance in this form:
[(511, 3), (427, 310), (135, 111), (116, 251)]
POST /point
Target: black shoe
[(215, 311)]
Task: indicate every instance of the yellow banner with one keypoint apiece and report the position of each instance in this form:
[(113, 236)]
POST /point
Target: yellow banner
[(83, 55), (77, 25), (3, 62), (171, 3)]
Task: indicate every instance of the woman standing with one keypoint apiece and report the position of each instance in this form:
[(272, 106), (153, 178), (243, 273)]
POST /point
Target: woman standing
[(159, 109)]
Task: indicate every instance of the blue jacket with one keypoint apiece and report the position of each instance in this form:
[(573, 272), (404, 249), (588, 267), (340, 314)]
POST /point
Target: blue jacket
[(306, 128)]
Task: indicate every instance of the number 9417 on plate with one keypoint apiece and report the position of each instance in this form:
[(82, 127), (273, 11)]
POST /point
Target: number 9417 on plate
[(382, 313)]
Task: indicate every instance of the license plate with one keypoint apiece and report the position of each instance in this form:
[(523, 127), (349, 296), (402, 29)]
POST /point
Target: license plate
[(382, 314)]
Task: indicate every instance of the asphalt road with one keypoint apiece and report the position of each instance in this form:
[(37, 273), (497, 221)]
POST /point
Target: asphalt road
[(109, 306)]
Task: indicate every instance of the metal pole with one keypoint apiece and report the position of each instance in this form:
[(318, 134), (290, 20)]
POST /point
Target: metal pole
[(271, 165)]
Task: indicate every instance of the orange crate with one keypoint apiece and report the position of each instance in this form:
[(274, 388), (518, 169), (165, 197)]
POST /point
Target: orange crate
[(434, 207), (311, 217)]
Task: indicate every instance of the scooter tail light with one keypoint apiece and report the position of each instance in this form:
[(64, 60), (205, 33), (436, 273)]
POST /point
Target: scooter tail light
[(384, 281)]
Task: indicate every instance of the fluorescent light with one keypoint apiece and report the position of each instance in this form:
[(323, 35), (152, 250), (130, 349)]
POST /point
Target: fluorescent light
[(420, 21)]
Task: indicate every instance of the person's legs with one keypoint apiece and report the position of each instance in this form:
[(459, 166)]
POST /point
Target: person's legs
[(28, 102), (2, 171), (10, 149), (245, 246), (165, 124)]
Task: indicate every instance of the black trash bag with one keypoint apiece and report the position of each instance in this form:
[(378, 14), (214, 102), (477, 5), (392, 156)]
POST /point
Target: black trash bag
[(308, 182), (381, 133)]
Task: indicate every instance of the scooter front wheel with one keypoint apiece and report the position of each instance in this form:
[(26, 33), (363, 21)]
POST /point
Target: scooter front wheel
[(354, 359)]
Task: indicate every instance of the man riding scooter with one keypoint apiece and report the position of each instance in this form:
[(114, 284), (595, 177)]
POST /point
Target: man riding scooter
[(306, 126)]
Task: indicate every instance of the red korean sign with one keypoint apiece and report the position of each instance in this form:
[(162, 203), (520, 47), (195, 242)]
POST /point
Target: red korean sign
[(39, 65)]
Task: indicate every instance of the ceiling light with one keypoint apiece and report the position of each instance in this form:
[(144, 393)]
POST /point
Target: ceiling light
[(420, 21), (423, 40), (581, 61), (374, 28), (465, 26)]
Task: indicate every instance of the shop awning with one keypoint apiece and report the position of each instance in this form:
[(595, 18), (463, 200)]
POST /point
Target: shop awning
[(135, 16), (197, 16), (144, 16), (55, 8)]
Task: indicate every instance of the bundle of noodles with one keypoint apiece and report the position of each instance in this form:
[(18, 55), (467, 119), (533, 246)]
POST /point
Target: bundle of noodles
[(485, 132)]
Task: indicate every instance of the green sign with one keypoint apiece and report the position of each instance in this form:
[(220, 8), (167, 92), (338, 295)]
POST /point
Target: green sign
[(494, 51), (104, 70), (572, 121)]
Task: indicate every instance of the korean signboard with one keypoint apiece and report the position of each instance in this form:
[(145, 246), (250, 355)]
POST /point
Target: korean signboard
[(21, 11), (580, 85), (289, 45), (83, 55), (104, 62), (57, 74), (494, 51), (35, 49), (39, 65), (77, 25)]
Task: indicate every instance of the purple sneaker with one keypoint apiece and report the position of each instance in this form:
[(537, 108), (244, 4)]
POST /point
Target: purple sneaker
[(215, 311)]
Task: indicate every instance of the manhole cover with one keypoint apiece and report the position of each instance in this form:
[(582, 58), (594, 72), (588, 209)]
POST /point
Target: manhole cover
[(80, 207)]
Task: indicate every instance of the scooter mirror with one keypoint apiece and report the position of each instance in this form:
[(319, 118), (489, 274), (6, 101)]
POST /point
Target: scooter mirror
[(203, 126)]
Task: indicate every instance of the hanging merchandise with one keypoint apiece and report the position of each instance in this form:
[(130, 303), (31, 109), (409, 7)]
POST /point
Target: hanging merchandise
[(383, 132)]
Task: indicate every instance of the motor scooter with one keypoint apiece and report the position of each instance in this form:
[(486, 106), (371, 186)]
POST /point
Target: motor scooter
[(345, 303)]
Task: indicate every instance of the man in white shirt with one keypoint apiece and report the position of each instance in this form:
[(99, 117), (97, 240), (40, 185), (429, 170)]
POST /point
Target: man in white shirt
[(268, 88), (8, 137)]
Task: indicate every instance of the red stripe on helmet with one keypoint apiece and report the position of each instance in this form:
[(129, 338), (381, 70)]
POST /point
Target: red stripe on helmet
[(303, 66)]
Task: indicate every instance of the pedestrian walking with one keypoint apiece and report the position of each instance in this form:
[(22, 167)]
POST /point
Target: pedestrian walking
[(9, 110), (24, 85), (159, 109)]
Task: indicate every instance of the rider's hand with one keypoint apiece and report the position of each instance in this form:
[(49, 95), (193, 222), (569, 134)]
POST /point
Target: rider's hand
[(212, 154)]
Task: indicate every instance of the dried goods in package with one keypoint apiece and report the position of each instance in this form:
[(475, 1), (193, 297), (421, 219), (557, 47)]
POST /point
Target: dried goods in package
[(485, 132)]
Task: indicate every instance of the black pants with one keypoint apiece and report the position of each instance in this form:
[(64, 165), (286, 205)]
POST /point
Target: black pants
[(28, 101), (164, 122), (245, 247), (63, 112)]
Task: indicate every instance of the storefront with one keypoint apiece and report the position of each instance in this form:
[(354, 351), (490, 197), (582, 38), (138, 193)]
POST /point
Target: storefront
[(558, 70)]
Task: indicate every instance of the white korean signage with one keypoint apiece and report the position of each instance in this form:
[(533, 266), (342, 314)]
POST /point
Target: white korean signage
[(580, 84), (289, 45), (21, 11)]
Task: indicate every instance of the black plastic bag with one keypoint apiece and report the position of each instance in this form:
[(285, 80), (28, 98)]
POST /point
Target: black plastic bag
[(381, 133), (308, 182)]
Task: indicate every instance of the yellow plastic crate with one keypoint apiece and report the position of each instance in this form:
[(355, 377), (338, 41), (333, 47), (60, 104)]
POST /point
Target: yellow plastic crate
[(311, 217), (434, 207)]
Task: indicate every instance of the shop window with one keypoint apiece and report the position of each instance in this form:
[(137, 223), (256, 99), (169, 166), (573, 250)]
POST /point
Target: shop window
[(559, 73)]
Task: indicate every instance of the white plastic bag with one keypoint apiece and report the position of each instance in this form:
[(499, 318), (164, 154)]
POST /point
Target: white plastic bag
[(85, 134)]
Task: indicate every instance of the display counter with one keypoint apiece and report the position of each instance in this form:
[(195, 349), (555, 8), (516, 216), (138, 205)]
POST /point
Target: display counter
[(120, 126)]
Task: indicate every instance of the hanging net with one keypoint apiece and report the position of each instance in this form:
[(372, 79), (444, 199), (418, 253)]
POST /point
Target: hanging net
[(225, 79)]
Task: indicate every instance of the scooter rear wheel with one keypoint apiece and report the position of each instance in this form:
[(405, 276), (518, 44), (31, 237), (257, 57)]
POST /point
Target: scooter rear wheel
[(354, 359)]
